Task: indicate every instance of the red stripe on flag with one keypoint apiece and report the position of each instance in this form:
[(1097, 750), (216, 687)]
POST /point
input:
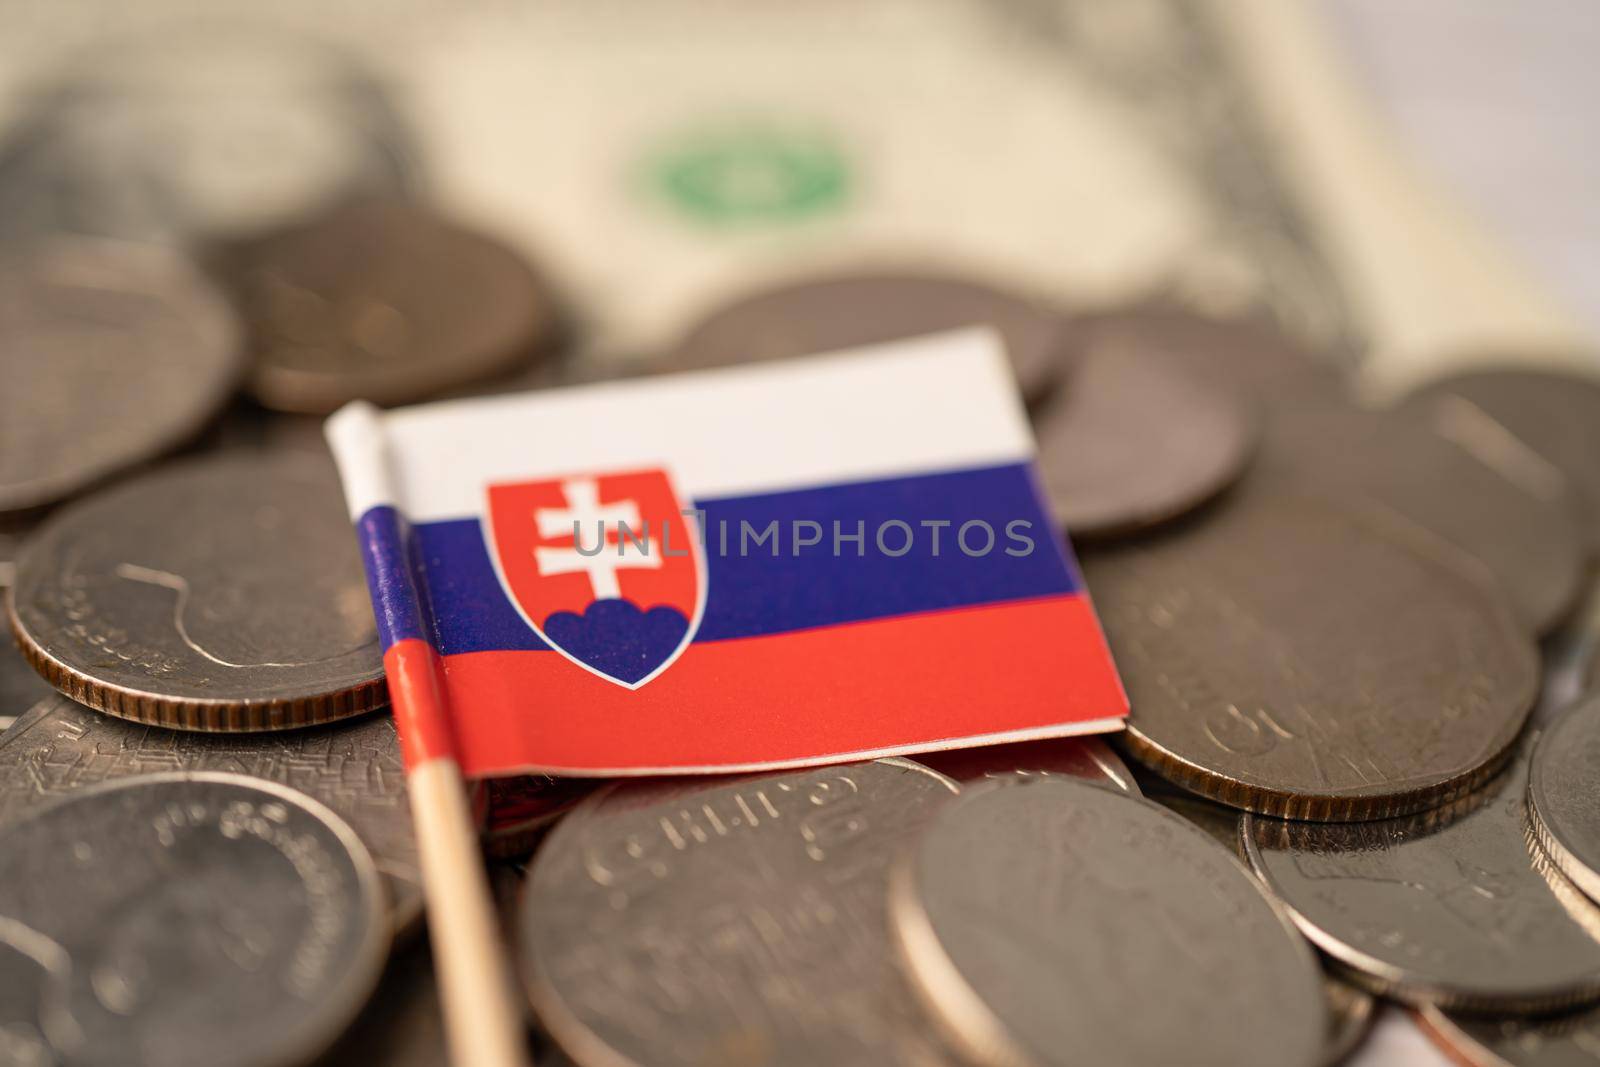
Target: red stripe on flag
[(416, 690), (810, 695)]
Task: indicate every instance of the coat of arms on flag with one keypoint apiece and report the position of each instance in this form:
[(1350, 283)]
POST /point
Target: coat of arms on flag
[(822, 560), (605, 567)]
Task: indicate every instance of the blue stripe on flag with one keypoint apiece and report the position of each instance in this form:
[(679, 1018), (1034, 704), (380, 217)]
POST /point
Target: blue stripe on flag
[(756, 593), (391, 581)]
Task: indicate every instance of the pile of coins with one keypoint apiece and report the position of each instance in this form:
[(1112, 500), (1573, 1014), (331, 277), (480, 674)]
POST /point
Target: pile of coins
[(1334, 624)]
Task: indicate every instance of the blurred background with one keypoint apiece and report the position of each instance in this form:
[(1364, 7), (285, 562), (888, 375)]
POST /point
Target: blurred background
[(1399, 185), (1404, 189)]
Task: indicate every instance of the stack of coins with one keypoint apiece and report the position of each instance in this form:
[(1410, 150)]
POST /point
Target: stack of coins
[(1333, 624), (208, 847), (1339, 792)]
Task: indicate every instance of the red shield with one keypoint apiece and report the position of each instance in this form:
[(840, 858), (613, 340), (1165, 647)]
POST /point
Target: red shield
[(607, 568)]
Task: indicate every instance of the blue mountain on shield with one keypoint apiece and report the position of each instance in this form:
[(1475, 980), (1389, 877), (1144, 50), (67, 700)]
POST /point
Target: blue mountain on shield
[(617, 639)]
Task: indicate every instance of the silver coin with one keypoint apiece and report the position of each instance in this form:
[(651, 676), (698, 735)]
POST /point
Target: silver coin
[(223, 594), (1570, 1040), (200, 131), (1474, 495), (730, 921), (1454, 906), (1060, 923), (836, 311), (1562, 785), (1088, 758), (1543, 424), (1525, 536), (110, 354), (1137, 437), (60, 747), (385, 301), (186, 919), (1302, 657)]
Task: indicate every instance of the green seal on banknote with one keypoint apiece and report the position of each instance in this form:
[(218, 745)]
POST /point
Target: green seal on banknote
[(751, 173)]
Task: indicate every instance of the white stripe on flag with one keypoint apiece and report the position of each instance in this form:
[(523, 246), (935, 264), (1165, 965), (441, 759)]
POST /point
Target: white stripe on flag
[(943, 402)]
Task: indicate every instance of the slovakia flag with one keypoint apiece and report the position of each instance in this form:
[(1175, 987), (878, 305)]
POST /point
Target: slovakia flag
[(822, 560)]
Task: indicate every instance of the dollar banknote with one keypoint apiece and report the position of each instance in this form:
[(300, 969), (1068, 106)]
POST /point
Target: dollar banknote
[(656, 159)]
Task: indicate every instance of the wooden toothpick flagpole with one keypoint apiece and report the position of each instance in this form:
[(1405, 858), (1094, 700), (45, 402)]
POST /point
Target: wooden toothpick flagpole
[(483, 1020), (482, 1010)]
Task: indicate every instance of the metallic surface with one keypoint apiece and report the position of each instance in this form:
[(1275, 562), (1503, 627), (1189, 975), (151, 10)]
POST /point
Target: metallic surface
[(1247, 356), (109, 354), (223, 594), (1137, 437), (1455, 906), (1086, 758), (1571, 1040), (60, 747), (1060, 923), (186, 131), (1563, 784), (823, 314), (382, 301), (186, 919), (1553, 416), (1300, 657), (730, 921), (1521, 528)]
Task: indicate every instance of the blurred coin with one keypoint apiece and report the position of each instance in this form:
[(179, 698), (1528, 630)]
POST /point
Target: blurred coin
[(1059, 923), (1454, 906), (730, 921), (188, 919), (60, 747), (1246, 356), (110, 354), (522, 808), (1525, 533), (1137, 437), (384, 301), (222, 594), (1563, 783), (1484, 503), (197, 131), (1570, 1040), (1303, 658), (822, 314), (1088, 758), (1512, 412)]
